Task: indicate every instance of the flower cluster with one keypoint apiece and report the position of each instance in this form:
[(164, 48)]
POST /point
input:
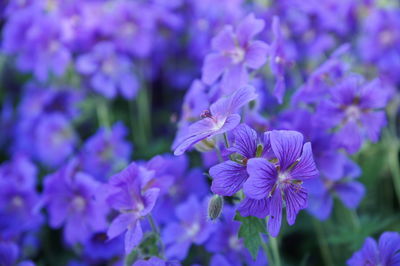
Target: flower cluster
[(182, 132)]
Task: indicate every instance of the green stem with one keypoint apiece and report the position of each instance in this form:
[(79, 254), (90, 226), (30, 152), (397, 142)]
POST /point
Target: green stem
[(323, 244), (265, 248), (226, 140), (275, 250), (102, 114), (156, 230), (395, 166)]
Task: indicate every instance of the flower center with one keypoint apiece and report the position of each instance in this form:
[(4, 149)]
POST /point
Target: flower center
[(108, 66), (79, 203), (237, 55), (17, 201), (193, 230), (128, 29), (386, 37), (282, 177), (234, 243), (353, 113)]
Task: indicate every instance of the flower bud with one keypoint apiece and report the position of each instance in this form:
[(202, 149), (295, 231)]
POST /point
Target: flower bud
[(215, 206)]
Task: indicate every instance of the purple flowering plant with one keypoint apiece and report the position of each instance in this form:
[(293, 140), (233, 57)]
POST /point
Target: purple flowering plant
[(171, 132)]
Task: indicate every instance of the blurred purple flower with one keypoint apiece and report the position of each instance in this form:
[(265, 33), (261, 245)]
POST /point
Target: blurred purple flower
[(386, 252), (110, 71), (38, 51), (281, 179), (69, 196), (225, 240), (55, 139), (352, 108), (221, 118), (193, 227), (106, 152), (322, 190), (127, 193), (19, 171), (99, 249), (235, 53)]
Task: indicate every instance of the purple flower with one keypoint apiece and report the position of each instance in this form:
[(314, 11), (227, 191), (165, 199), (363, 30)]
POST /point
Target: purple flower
[(69, 196), (130, 26), (18, 211), (280, 179), (225, 240), (322, 190), (386, 252), (106, 152), (235, 53), (129, 193), (55, 140), (379, 41), (110, 72), (279, 60), (229, 176), (19, 171), (193, 227), (352, 108), (42, 52), (176, 183), (221, 118), (99, 249), (155, 261)]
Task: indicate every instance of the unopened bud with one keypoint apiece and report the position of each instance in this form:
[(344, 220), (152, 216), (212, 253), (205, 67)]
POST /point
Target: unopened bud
[(215, 206)]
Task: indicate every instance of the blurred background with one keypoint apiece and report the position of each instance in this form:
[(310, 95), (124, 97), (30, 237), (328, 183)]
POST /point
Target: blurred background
[(101, 83)]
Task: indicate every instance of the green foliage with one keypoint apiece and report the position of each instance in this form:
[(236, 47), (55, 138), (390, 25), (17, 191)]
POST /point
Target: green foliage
[(250, 230)]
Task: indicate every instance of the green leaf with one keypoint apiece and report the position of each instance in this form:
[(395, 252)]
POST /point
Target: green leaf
[(250, 229)]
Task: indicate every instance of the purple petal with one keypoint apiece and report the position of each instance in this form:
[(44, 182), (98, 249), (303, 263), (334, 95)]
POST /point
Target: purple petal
[(214, 66), (85, 64), (374, 94), (231, 122), (287, 146), (252, 207), (228, 178), (275, 213), (279, 89), (172, 232), (305, 168), (350, 193), (195, 133), (245, 141), (320, 205), (373, 123), (389, 247), (296, 200), (242, 97), (367, 255), (248, 28), (150, 197), (178, 250), (186, 210), (262, 178), (256, 54), (225, 40), (234, 77), (133, 237), (349, 137), (120, 224)]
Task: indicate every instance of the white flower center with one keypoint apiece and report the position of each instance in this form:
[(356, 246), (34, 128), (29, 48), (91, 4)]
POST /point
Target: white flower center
[(193, 230), (237, 55), (282, 177), (386, 37), (17, 201), (353, 113), (234, 243), (79, 203)]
